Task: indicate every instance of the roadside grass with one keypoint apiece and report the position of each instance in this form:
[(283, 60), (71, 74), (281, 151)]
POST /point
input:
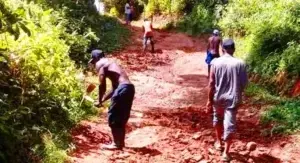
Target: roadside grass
[(282, 113)]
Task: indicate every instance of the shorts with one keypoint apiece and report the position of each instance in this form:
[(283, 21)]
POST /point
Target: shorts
[(146, 38), (121, 102), (227, 117), (210, 57)]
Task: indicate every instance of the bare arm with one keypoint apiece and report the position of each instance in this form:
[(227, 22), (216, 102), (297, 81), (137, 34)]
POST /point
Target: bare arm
[(211, 90), (102, 86), (208, 45), (108, 95)]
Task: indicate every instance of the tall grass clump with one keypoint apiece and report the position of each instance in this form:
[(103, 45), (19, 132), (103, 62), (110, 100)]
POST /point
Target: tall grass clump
[(282, 114)]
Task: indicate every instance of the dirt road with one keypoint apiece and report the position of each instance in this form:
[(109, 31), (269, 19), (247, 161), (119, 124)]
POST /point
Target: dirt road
[(168, 123)]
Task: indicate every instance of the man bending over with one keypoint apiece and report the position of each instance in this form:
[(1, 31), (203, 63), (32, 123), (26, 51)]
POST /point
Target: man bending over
[(121, 94)]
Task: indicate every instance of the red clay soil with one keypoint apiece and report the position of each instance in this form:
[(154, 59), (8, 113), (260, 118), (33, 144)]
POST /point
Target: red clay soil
[(168, 122)]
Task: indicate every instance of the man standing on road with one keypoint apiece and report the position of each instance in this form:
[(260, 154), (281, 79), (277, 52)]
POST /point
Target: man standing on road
[(228, 78), (214, 43), (148, 34), (121, 94)]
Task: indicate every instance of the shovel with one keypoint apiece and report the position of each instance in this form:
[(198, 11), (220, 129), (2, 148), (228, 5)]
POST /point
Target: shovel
[(88, 90)]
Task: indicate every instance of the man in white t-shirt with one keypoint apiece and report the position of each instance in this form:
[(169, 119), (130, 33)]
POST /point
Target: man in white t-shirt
[(148, 34), (128, 13)]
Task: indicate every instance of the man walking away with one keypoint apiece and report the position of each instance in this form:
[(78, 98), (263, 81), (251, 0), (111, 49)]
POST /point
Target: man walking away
[(121, 94), (214, 43), (228, 78), (128, 12), (148, 34)]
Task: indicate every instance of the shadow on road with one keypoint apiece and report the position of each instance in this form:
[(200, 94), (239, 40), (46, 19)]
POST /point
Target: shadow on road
[(144, 150), (87, 139)]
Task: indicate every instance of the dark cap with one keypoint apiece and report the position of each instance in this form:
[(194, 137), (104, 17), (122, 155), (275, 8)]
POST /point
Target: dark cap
[(228, 44), (96, 55)]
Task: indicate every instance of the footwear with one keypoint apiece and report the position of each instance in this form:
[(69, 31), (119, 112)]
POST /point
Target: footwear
[(225, 158), (218, 146), (118, 137), (112, 146)]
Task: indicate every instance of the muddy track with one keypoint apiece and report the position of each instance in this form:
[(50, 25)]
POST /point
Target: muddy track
[(168, 123)]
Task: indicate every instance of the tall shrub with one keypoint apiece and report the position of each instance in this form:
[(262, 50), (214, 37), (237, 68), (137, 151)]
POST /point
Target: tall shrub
[(271, 31), (200, 20), (86, 29), (39, 93)]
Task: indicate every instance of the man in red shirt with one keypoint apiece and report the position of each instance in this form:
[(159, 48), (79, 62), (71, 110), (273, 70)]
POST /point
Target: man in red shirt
[(148, 34)]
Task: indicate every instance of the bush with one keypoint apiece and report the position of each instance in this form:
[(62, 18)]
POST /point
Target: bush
[(271, 32), (114, 12), (200, 20), (282, 114), (86, 29), (119, 6), (154, 7), (284, 118), (40, 96)]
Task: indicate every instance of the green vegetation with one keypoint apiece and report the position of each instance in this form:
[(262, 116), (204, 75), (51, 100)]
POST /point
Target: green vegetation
[(285, 117), (270, 31), (39, 93), (86, 30), (261, 95), (200, 16), (117, 7), (200, 20), (164, 7), (282, 113)]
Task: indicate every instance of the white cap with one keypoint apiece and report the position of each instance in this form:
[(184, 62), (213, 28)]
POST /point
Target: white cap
[(216, 32)]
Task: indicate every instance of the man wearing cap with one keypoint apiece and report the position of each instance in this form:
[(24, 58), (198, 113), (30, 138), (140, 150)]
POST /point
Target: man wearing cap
[(121, 94), (214, 43), (228, 78)]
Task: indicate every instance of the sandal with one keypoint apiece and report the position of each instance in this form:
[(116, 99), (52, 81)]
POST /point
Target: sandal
[(111, 146)]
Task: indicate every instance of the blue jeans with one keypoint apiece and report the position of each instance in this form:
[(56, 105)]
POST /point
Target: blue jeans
[(121, 102), (119, 112)]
